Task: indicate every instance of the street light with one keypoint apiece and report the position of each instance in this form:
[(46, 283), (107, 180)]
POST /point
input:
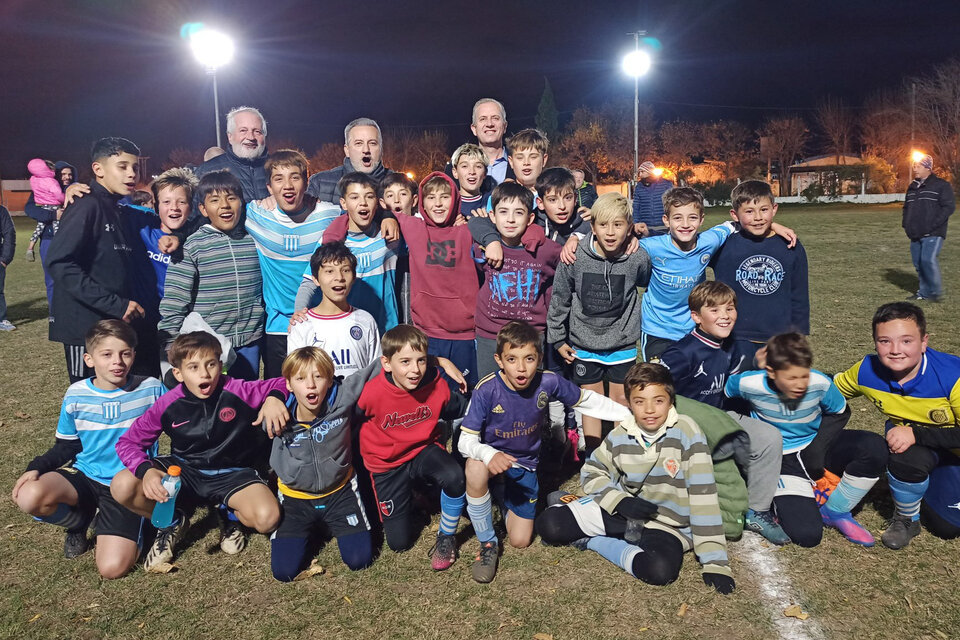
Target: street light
[(212, 49), (636, 63)]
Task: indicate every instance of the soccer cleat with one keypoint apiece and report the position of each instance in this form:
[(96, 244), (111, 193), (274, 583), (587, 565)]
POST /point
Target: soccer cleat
[(443, 553), (900, 532), (847, 526), (764, 523), (580, 544), (166, 542), (232, 538), (484, 568), (75, 544), (824, 487)]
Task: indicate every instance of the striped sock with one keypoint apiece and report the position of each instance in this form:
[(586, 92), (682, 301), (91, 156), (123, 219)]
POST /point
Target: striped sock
[(480, 511), (619, 552), (450, 510), (907, 495), (67, 517), (849, 492)]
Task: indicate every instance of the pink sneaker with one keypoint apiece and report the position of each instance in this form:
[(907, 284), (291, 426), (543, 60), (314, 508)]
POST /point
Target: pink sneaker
[(847, 526)]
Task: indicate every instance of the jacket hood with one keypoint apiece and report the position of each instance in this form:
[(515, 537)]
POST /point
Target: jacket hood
[(38, 168), (57, 167), (565, 229), (454, 200)]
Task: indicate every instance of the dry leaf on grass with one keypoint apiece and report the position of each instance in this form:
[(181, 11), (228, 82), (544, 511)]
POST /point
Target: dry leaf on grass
[(141, 625), (163, 567), (34, 618), (22, 415), (940, 633), (682, 611), (909, 602), (542, 636), (313, 570), (794, 611), (347, 598), (1, 423), (93, 606)]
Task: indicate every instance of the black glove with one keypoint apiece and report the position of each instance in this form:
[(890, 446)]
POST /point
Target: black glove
[(723, 584), (636, 508)]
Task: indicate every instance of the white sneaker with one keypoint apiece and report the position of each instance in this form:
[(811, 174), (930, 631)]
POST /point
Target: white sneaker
[(232, 538), (6, 325)]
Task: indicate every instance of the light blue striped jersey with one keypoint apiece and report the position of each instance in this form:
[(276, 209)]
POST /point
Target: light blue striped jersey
[(797, 420), (285, 248), (674, 273), (374, 289), (98, 418)]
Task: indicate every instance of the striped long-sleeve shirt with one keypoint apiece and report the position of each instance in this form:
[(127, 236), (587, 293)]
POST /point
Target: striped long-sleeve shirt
[(219, 278), (675, 472)]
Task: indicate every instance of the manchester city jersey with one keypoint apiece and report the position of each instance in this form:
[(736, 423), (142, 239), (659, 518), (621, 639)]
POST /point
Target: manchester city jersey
[(98, 418)]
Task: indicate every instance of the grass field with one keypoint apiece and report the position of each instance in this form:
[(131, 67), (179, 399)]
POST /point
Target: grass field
[(858, 257)]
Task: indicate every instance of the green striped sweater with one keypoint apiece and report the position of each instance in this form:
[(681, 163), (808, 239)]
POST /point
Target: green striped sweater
[(674, 472), (219, 278)]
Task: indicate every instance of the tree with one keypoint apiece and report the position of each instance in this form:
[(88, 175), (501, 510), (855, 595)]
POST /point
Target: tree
[(836, 122), (938, 113), (731, 146), (328, 156), (418, 151), (547, 115), (601, 141), (785, 139), (885, 131), (181, 157)]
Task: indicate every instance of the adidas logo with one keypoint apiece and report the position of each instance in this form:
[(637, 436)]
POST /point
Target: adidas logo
[(498, 409)]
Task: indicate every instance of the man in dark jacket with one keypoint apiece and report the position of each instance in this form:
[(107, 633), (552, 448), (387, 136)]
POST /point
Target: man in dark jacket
[(362, 150), (8, 247), (648, 198), (246, 154), (928, 205), (586, 192)]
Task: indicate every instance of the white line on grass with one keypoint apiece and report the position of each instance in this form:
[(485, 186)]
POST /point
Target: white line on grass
[(777, 591)]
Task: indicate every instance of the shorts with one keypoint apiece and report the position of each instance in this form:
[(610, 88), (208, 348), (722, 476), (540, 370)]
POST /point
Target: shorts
[(651, 347), (520, 490), (214, 486), (794, 479), (462, 353), (583, 372), (339, 514), (112, 518)]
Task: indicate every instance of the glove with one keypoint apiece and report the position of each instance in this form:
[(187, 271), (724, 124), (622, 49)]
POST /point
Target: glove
[(723, 584), (636, 508)]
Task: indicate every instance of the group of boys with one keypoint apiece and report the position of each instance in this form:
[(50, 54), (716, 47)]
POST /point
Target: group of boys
[(511, 337)]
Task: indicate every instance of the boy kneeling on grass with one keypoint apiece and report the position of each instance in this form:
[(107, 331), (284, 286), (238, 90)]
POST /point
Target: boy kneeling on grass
[(651, 492), (210, 420)]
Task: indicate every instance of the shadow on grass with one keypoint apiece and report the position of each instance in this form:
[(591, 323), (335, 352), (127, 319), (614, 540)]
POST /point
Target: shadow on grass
[(27, 311), (906, 280)]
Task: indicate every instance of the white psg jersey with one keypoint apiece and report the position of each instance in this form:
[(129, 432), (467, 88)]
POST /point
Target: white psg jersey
[(350, 339)]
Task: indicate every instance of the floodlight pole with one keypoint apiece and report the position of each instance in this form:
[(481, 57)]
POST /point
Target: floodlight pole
[(636, 110), (216, 103)]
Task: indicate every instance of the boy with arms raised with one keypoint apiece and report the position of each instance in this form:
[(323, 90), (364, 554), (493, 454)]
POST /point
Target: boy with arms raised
[(95, 413), (768, 275), (651, 492), (375, 262), (219, 276), (700, 363), (501, 437), (400, 441), (594, 316), (211, 421), (798, 400), (348, 335), (918, 390)]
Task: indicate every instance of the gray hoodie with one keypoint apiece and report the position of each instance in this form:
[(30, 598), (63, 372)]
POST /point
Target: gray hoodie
[(317, 458), (595, 304)]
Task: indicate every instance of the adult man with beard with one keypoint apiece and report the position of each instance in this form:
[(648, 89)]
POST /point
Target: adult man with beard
[(362, 150), (246, 154)]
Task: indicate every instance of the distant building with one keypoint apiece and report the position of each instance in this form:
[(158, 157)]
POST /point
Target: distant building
[(836, 178)]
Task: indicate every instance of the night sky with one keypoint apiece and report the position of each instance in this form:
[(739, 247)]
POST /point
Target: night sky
[(73, 71)]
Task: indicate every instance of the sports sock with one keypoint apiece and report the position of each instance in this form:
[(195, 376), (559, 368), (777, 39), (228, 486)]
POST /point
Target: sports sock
[(450, 510), (907, 495), (849, 492), (70, 518), (480, 511), (619, 552)]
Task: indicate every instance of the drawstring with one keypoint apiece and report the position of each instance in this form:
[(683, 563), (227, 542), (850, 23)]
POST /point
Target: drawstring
[(606, 278)]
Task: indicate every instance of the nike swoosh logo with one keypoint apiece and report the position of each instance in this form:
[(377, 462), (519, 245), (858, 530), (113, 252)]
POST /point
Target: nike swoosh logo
[(178, 424), (532, 500)]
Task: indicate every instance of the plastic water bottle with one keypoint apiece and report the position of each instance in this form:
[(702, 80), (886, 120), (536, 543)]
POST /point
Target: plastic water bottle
[(163, 511)]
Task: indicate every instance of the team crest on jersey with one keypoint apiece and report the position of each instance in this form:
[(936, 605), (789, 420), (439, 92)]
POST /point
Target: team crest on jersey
[(291, 243), (542, 400), (672, 467), (497, 409), (581, 369), (111, 410), (567, 498), (705, 258), (701, 372), (227, 414), (356, 332), (352, 520), (386, 508), (939, 416)]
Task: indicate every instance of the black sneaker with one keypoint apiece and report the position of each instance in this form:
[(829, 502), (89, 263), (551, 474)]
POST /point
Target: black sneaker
[(75, 544), (900, 532), (484, 568)]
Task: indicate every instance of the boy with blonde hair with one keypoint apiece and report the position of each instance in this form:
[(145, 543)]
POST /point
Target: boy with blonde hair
[(469, 168)]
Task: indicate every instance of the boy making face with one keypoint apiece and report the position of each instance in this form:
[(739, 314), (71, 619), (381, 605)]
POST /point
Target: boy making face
[(469, 168), (398, 194)]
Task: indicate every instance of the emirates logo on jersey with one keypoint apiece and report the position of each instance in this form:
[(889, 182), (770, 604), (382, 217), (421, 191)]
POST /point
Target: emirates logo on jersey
[(406, 420)]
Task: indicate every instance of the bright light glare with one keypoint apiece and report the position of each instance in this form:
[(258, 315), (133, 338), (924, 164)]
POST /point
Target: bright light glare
[(637, 63), (212, 49), (917, 156), (410, 175), (658, 171)]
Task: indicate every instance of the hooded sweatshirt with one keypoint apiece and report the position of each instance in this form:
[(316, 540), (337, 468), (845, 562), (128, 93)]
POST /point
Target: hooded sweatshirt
[(443, 275), (43, 183), (594, 303)]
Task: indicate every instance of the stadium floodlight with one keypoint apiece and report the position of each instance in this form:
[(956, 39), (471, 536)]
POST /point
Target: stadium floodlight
[(212, 49), (635, 64)]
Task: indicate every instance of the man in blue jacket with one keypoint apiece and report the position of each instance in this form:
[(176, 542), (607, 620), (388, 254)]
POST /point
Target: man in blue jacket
[(648, 198)]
